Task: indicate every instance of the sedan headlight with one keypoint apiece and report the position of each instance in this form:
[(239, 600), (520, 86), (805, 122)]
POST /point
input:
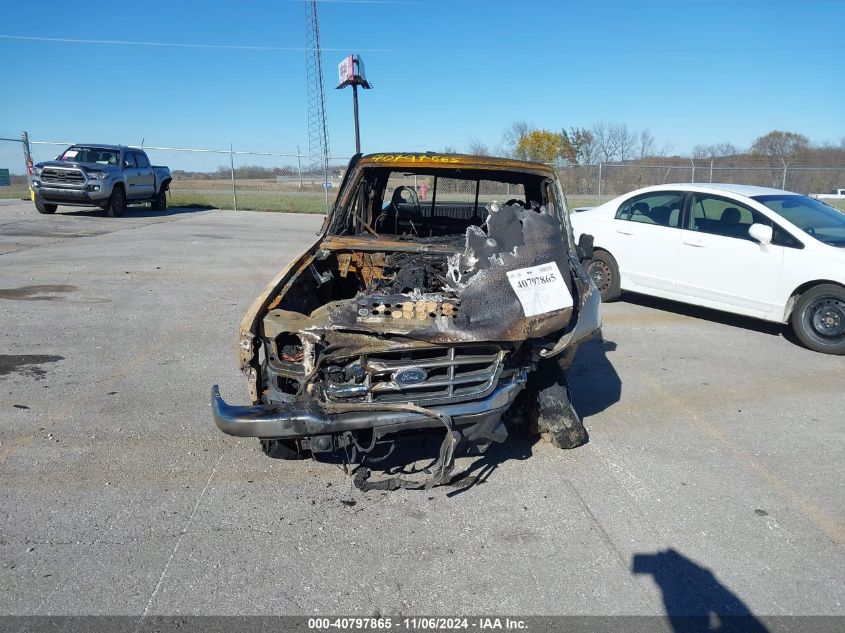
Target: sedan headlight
[(96, 175)]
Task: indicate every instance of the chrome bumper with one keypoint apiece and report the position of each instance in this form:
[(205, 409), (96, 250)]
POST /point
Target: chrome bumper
[(297, 420)]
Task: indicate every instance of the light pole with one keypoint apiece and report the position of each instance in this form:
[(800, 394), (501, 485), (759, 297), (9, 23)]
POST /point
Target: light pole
[(350, 72)]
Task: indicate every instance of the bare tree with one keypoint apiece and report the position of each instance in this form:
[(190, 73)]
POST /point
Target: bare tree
[(512, 135), (606, 149), (781, 147), (477, 147), (626, 141), (701, 151), (718, 150), (647, 144), (451, 149)]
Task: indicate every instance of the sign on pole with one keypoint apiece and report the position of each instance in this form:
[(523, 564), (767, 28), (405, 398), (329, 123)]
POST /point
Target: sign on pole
[(345, 70)]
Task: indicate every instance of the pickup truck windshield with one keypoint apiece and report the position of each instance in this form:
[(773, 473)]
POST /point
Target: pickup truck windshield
[(436, 203), (815, 218), (99, 155)]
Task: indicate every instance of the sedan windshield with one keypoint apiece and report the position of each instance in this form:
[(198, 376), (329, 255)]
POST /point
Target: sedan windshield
[(815, 218), (99, 155)]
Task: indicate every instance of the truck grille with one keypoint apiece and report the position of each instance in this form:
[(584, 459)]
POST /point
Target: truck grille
[(438, 375), (62, 176)]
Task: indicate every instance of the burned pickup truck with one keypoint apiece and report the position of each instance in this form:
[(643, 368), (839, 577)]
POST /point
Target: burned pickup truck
[(423, 304)]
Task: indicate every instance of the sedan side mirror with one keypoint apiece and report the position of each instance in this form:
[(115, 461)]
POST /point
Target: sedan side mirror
[(761, 233), (584, 250)]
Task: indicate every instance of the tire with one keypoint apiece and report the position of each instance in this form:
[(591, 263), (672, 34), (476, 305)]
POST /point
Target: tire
[(117, 203), (604, 271), (46, 209), (818, 319), (551, 414), (282, 449), (159, 203)]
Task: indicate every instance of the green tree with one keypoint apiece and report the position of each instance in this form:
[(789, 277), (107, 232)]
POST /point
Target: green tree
[(583, 144)]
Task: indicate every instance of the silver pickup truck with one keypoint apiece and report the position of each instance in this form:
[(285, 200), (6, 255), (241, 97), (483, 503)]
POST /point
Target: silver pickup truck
[(104, 176)]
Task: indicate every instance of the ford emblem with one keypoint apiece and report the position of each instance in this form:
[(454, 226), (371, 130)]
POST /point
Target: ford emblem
[(410, 376)]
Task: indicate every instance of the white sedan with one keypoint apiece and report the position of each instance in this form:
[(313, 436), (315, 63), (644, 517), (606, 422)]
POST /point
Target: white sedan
[(764, 253)]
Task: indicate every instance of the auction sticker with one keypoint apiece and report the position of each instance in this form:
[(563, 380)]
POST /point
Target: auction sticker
[(540, 289)]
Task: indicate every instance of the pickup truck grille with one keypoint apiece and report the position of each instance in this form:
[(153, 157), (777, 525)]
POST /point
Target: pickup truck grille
[(60, 175), (424, 376)]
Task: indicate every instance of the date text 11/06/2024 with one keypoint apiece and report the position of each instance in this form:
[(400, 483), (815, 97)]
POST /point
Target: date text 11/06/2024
[(417, 624)]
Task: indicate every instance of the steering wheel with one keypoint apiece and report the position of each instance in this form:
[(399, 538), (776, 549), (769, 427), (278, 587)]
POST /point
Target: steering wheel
[(810, 231), (398, 198), (515, 201)]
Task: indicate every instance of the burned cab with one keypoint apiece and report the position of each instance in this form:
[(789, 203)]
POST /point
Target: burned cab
[(442, 292)]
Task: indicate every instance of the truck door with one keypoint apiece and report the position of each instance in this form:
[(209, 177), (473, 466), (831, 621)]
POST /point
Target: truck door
[(133, 177), (146, 177)]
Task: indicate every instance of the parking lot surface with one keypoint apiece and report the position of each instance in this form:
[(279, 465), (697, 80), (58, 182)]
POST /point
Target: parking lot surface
[(712, 479)]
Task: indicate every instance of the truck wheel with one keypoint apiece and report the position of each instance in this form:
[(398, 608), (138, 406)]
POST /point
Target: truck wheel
[(281, 449), (160, 201), (818, 319), (117, 203), (45, 208), (550, 413), (605, 274)]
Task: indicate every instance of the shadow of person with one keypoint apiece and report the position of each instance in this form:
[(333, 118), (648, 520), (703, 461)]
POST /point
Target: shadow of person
[(694, 599), (594, 383)]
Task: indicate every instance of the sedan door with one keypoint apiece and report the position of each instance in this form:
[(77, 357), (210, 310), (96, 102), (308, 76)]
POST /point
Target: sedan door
[(644, 237), (720, 265)]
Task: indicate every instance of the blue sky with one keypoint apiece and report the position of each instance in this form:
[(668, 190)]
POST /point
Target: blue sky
[(691, 71)]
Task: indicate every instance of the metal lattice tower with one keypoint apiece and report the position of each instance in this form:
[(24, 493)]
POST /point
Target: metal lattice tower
[(318, 133)]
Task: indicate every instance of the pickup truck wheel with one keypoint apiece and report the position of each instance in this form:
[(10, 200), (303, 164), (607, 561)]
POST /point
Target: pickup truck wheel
[(117, 203), (45, 208), (550, 413), (160, 201), (604, 272), (818, 319), (282, 449)]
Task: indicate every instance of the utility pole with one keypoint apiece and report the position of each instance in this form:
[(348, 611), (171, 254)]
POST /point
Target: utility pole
[(318, 133), (350, 72)]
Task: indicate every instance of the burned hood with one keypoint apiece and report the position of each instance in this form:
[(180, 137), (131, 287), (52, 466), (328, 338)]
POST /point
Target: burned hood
[(511, 281)]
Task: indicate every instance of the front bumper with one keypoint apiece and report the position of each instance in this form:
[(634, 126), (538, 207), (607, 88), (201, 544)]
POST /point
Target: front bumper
[(86, 196), (297, 421)]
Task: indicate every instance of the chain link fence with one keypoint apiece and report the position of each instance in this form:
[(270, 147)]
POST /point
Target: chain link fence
[(590, 185), (229, 178)]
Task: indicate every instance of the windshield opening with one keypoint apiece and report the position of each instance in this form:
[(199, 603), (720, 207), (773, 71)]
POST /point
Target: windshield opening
[(437, 203), (98, 155), (814, 217)]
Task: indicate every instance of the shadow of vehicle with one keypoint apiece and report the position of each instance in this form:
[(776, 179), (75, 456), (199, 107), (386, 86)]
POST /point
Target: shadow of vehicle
[(412, 456), (595, 386), (516, 447), (594, 383), (707, 314), (694, 599), (138, 211)]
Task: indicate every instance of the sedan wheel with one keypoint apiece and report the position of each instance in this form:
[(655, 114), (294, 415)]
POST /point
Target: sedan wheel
[(600, 274), (819, 319), (605, 275)]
